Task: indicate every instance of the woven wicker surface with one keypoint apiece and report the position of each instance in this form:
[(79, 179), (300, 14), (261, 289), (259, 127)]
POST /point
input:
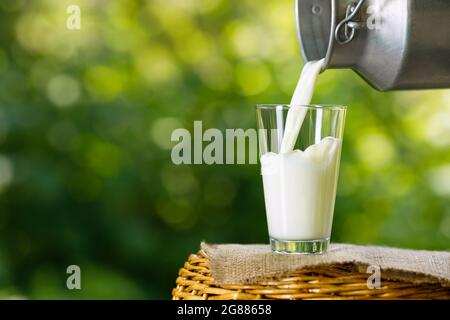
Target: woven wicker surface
[(195, 282)]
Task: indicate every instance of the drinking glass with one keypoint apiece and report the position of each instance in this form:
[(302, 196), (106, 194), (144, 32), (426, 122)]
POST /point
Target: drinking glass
[(300, 177)]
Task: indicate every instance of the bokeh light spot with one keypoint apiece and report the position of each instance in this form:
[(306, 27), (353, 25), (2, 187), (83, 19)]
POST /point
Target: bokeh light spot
[(216, 73), (156, 65), (63, 90), (194, 48), (104, 158), (437, 130), (179, 216), (375, 150), (439, 179), (6, 173), (247, 41), (179, 180), (445, 224), (253, 77), (161, 131), (104, 83), (101, 157)]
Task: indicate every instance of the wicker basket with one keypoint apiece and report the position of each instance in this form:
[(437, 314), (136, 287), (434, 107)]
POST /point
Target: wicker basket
[(195, 282)]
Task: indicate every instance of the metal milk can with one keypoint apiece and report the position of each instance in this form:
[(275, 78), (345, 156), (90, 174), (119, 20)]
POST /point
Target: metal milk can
[(392, 44)]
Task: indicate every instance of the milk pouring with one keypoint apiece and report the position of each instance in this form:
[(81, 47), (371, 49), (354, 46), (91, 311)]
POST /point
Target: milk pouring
[(300, 185)]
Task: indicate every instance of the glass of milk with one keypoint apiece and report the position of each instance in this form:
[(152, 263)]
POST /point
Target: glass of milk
[(300, 148)]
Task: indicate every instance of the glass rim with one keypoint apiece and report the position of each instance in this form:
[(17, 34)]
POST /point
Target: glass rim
[(336, 107)]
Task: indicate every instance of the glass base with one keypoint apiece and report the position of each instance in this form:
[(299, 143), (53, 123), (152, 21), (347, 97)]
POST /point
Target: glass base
[(299, 246)]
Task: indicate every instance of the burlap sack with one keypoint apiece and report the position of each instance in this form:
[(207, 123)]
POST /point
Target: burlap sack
[(248, 264)]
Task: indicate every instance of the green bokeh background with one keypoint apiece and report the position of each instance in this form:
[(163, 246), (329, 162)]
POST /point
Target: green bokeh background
[(85, 123)]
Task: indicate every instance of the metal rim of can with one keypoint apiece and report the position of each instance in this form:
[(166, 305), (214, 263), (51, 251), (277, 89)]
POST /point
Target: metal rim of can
[(331, 40)]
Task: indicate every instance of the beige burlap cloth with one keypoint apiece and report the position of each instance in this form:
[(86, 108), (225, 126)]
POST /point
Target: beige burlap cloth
[(249, 264)]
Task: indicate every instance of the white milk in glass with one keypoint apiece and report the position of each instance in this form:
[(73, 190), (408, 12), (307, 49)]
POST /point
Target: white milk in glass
[(300, 186)]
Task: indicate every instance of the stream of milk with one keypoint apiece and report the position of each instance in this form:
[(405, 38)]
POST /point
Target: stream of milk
[(302, 96)]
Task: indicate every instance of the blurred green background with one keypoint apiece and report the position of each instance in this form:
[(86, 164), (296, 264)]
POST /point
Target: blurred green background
[(85, 123)]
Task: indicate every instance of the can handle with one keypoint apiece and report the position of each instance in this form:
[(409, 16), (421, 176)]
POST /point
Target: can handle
[(349, 25)]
